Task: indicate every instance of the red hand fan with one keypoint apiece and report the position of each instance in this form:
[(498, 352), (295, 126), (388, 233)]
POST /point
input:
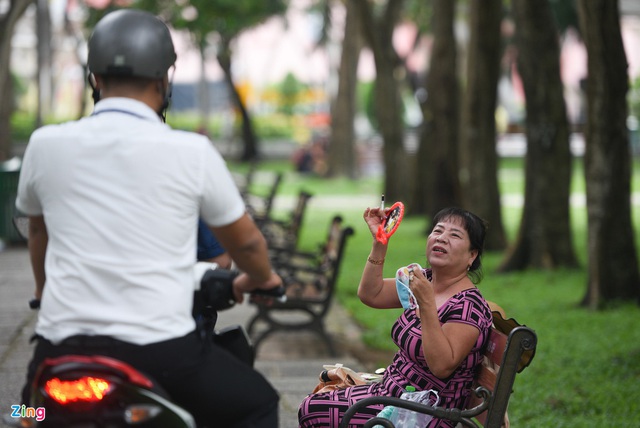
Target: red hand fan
[(390, 223)]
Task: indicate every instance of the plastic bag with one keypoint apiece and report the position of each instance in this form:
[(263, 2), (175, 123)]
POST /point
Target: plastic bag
[(403, 418)]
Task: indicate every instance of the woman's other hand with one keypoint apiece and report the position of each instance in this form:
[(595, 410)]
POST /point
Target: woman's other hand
[(421, 288)]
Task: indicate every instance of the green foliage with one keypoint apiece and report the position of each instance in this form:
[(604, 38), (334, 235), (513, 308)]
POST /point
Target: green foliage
[(191, 122), (95, 15), (420, 12), (565, 14), (273, 126), (633, 98), (586, 364), (19, 86), (366, 102), (270, 126), (511, 174), (22, 125), (227, 18), (289, 90)]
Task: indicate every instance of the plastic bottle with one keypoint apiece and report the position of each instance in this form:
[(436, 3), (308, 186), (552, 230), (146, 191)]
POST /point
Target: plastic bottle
[(407, 418), (388, 411), (409, 389)]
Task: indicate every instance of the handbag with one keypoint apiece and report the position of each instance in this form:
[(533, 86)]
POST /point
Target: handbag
[(235, 339), (345, 378)]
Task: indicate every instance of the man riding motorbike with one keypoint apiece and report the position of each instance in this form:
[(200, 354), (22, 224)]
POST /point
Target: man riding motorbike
[(113, 202)]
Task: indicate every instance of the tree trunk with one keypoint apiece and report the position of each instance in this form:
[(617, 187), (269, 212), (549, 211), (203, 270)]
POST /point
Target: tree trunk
[(6, 110), (203, 93), (388, 105), (544, 239), (437, 184), (478, 157), (7, 24), (250, 141), (45, 53), (78, 39), (341, 149), (612, 257)]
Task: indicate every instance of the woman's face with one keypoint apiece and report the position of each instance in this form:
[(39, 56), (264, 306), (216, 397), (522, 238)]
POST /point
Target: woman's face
[(448, 245)]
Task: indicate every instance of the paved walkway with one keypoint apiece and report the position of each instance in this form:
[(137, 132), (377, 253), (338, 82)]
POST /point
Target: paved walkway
[(291, 361)]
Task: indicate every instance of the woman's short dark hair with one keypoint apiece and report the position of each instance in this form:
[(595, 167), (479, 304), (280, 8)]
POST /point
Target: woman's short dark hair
[(476, 229)]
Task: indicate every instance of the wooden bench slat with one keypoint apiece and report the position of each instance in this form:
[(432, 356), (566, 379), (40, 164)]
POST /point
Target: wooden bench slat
[(496, 346)]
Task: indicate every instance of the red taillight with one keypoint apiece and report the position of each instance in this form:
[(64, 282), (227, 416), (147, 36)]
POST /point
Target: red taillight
[(87, 389)]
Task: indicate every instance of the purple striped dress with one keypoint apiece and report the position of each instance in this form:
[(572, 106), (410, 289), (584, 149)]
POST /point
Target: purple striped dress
[(409, 368)]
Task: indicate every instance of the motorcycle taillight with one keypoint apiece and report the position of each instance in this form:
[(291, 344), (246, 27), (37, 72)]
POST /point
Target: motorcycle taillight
[(84, 389)]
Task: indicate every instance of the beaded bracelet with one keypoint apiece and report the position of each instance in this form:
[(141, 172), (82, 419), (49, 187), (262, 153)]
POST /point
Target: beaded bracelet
[(374, 261)]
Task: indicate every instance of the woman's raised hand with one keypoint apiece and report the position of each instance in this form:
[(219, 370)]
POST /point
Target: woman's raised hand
[(374, 217)]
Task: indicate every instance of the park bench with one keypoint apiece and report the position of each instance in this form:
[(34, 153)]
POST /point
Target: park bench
[(510, 349), (282, 235), (260, 206), (245, 181), (310, 280)]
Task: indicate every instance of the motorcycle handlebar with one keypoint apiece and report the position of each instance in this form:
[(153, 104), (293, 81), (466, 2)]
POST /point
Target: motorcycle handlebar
[(216, 286), (277, 293)]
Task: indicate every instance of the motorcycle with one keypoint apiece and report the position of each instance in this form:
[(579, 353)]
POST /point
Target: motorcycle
[(95, 391)]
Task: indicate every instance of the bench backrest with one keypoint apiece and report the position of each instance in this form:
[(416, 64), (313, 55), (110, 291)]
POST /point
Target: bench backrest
[(292, 232), (332, 258), (502, 361), (245, 182), (334, 251), (283, 236), (262, 210), (322, 273), (331, 253), (272, 194)]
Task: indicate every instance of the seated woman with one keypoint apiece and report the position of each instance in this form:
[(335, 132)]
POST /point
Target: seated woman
[(440, 337)]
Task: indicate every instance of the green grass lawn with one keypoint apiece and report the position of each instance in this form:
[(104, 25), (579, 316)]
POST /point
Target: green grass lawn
[(586, 372)]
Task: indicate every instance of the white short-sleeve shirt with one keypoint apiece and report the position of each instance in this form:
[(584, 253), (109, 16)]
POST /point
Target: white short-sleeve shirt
[(121, 193)]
